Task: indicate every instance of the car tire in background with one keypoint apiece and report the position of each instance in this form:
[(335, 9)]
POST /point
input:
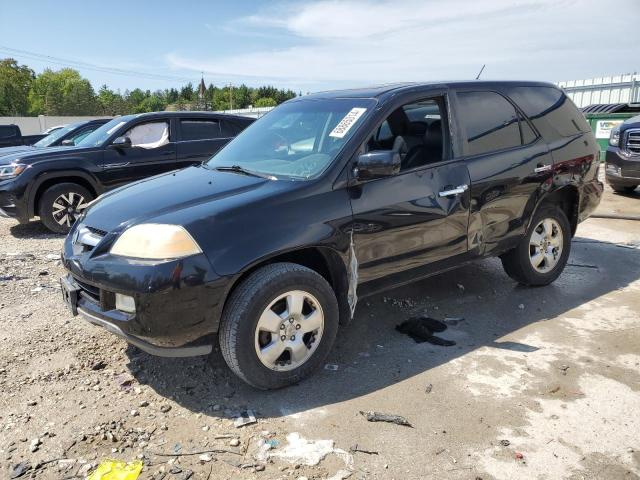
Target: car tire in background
[(62, 204), (278, 325), (542, 254)]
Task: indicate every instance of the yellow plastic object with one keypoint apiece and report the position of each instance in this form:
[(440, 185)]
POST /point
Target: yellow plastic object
[(116, 470)]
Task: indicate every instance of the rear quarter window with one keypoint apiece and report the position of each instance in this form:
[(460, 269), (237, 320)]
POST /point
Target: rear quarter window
[(197, 129), (550, 106)]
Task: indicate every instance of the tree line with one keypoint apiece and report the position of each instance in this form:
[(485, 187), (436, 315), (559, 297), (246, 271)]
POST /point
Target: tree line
[(65, 92)]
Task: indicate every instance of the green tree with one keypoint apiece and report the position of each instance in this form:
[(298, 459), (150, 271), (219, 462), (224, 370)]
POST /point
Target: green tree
[(110, 102), (63, 92), (266, 102), (15, 82)]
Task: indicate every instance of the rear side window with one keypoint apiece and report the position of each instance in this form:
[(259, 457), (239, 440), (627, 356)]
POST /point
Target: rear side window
[(228, 129), (7, 131), (200, 129), (550, 105), (491, 122)]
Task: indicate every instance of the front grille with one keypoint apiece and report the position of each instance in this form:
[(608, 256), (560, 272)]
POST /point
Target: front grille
[(86, 239), (632, 142)]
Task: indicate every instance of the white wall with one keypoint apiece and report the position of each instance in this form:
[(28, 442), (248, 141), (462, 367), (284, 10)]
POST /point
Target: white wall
[(614, 89), (36, 125)]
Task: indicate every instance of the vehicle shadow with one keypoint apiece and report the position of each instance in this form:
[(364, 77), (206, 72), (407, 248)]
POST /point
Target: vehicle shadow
[(371, 355), (32, 230)]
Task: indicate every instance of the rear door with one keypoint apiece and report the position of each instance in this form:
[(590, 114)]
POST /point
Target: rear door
[(200, 138), (418, 218), (152, 151), (509, 164)]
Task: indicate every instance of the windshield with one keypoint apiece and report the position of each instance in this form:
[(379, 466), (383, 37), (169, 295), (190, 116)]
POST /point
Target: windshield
[(52, 137), (299, 139), (100, 135)]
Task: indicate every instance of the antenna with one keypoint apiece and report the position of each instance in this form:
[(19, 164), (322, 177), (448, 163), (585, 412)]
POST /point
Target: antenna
[(480, 72)]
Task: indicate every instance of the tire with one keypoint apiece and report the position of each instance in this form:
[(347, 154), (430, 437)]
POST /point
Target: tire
[(242, 334), (519, 262), (624, 189), (57, 196)]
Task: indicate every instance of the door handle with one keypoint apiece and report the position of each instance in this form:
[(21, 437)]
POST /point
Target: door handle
[(542, 168), (455, 191)]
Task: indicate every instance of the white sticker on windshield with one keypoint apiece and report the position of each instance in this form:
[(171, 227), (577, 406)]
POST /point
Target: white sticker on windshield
[(347, 122), (113, 129)]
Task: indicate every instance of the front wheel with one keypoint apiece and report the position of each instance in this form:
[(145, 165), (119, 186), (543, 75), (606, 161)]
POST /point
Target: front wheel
[(62, 204), (542, 254), (278, 325)]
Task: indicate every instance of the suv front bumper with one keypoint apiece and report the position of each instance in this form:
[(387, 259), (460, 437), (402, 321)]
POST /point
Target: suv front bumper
[(621, 169)]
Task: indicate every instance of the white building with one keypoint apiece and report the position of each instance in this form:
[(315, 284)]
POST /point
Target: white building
[(623, 88)]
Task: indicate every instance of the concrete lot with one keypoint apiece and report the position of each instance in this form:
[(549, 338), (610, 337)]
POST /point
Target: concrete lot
[(543, 383)]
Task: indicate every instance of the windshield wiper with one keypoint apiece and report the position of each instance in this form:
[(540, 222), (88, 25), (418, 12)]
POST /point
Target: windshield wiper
[(244, 171)]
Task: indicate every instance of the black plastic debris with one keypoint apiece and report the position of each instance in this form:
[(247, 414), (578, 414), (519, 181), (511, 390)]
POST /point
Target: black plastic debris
[(386, 417), (19, 470), (422, 329)]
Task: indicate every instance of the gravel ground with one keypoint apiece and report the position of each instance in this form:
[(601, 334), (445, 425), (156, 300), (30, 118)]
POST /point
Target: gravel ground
[(542, 383)]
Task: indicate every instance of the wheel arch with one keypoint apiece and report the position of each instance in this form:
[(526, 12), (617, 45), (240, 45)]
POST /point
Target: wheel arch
[(325, 261), (46, 181), (567, 198)]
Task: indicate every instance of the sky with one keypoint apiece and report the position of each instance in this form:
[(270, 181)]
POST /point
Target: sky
[(318, 45)]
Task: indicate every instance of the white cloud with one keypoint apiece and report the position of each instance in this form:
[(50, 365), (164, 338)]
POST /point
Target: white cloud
[(360, 42)]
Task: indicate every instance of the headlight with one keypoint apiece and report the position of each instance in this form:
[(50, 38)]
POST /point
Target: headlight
[(614, 138), (11, 171), (156, 242)]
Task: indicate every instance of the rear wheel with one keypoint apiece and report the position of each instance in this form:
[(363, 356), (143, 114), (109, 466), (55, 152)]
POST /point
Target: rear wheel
[(62, 204), (543, 252), (278, 325)]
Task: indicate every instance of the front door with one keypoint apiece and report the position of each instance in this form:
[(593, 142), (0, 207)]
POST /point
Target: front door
[(420, 216), (152, 151)]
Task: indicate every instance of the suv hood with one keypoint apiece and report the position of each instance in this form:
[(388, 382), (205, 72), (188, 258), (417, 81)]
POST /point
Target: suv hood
[(169, 194), (33, 155), (22, 148)]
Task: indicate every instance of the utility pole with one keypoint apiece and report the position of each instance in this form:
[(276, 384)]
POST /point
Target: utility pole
[(230, 97)]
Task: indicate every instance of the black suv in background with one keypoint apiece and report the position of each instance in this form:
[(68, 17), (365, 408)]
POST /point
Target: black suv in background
[(65, 136), (56, 184), (623, 157), (329, 198)]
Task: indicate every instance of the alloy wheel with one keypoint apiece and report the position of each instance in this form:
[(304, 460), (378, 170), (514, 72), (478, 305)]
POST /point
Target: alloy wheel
[(68, 207), (545, 245), (289, 330)]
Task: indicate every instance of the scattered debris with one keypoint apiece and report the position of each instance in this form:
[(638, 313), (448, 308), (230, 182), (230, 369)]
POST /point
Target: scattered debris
[(245, 418), (19, 470), (521, 306), (340, 475), (308, 452), (519, 455), (421, 329), (99, 365), (165, 408), (564, 368), (331, 366), (355, 448), (116, 470), (453, 320), (429, 388), (385, 417), (234, 442), (581, 265), (505, 443)]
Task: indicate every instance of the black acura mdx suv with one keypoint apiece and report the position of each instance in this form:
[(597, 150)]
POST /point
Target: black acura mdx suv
[(327, 199)]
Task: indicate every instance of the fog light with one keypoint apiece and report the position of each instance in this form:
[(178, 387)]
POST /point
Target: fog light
[(125, 303), (613, 169)]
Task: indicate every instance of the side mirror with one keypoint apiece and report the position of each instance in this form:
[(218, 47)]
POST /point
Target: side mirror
[(377, 164), (121, 142), (67, 143)]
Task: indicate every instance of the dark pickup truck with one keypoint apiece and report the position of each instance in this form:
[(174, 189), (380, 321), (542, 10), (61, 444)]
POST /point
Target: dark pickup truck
[(622, 169), (11, 136), (58, 183), (331, 197), (64, 136)]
